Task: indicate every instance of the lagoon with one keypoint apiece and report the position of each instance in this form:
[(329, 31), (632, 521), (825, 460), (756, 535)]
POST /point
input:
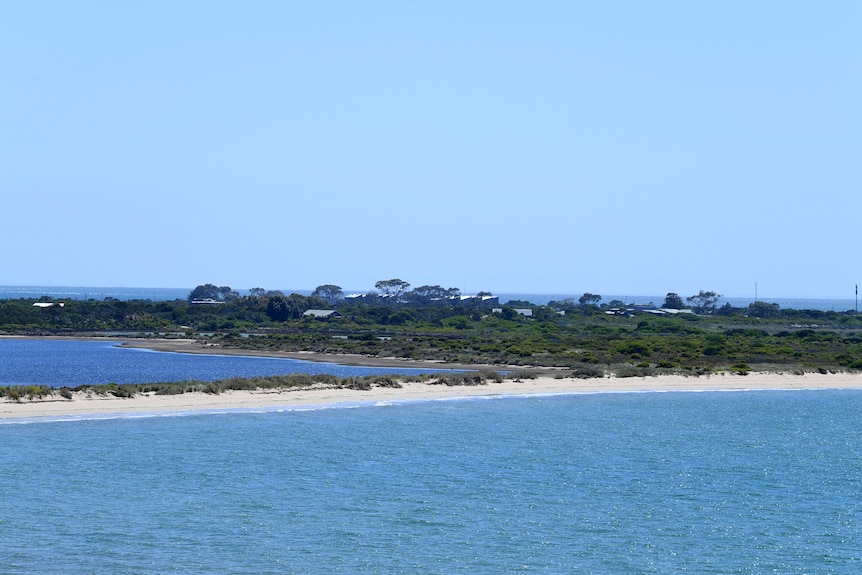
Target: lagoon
[(58, 363)]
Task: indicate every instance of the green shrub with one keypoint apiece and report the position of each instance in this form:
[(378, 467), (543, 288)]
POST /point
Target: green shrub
[(124, 391), (358, 383), (741, 368), (635, 371), (458, 379), (384, 381), (587, 372)]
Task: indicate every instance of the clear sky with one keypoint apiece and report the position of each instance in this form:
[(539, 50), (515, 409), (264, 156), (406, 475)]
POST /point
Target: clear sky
[(515, 147)]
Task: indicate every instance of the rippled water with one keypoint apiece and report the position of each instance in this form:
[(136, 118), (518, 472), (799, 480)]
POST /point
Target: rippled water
[(711, 482)]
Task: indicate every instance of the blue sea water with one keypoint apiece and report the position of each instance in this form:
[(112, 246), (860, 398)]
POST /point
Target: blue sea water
[(94, 292), (821, 304), (711, 482), (58, 363)]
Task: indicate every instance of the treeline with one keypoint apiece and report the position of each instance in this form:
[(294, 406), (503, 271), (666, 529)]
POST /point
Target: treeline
[(439, 324)]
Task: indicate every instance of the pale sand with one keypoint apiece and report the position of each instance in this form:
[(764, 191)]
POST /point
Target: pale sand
[(83, 405)]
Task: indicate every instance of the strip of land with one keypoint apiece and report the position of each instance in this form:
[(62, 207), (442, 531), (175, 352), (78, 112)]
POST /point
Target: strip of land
[(84, 403), (194, 346), (546, 381)]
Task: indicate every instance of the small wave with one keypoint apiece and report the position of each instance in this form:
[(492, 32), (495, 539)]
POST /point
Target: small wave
[(286, 409)]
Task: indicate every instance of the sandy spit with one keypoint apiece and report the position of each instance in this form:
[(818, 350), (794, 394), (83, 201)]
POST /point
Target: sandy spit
[(549, 381), (91, 404)]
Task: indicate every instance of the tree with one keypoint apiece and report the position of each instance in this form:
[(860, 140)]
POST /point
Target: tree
[(672, 301), (589, 299), (763, 309), (210, 291), (565, 304), (393, 288), (278, 309), (427, 294), (331, 293), (704, 301), (283, 308)]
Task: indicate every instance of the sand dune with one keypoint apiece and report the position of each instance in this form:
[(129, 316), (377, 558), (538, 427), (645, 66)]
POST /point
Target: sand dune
[(83, 403)]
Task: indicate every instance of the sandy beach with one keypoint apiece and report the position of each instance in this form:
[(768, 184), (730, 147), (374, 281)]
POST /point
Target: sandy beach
[(548, 381), (90, 404)]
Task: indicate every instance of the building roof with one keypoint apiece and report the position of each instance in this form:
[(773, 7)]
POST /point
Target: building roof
[(321, 313)]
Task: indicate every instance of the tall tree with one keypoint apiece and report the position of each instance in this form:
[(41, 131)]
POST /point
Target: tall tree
[(672, 301), (589, 299), (283, 308), (210, 291), (425, 294), (278, 308), (393, 287), (704, 301), (331, 293)]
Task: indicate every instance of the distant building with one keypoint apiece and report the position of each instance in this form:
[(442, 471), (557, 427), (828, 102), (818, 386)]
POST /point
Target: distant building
[(322, 313), (668, 311), (484, 301)]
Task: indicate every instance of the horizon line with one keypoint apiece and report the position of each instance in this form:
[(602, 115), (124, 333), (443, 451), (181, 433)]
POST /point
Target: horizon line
[(849, 297)]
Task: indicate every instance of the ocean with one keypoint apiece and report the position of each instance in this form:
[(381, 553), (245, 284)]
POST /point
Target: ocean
[(607, 483), (168, 294)]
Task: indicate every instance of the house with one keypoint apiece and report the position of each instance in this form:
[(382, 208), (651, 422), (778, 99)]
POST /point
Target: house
[(526, 312), (668, 311), (322, 314), (479, 301)]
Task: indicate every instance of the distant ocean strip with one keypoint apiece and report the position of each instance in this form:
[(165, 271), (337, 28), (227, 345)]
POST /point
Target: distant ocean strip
[(169, 294)]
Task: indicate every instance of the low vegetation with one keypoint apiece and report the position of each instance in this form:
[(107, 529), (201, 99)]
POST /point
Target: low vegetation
[(432, 323), (291, 382)]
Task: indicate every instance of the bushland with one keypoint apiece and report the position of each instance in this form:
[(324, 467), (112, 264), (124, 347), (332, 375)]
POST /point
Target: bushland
[(590, 340)]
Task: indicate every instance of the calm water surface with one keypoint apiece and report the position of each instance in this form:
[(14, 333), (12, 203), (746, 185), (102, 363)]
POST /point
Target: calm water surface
[(713, 482), (71, 363)]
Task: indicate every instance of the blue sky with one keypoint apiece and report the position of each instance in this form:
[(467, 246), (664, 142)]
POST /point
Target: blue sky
[(545, 147)]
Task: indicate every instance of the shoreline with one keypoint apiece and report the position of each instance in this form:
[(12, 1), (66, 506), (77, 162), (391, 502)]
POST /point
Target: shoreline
[(191, 346), (547, 382), (84, 404)]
